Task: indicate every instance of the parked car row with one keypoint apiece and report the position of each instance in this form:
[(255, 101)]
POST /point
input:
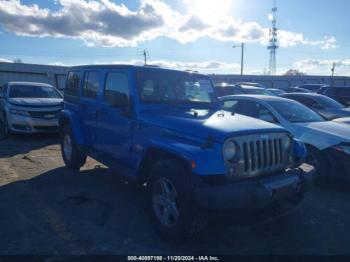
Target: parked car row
[(195, 145)]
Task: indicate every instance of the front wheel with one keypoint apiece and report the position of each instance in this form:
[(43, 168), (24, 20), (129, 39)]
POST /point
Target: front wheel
[(172, 207), (72, 156)]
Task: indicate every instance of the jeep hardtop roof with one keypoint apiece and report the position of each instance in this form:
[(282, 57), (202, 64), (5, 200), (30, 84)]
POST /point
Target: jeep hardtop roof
[(126, 66)]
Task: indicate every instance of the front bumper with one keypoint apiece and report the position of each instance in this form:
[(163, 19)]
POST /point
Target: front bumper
[(27, 124), (258, 193)]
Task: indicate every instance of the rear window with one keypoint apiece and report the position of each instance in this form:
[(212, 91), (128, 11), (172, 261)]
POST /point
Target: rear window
[(72, 84)]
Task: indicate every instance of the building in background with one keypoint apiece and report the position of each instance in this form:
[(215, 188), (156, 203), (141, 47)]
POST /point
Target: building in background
[(56, 76), (53, 75)]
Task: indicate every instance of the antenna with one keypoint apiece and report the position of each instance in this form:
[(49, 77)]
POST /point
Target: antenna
[(272, 47)]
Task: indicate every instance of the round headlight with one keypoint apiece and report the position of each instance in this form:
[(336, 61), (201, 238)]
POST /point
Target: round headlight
[(230, 151), (286, 142)]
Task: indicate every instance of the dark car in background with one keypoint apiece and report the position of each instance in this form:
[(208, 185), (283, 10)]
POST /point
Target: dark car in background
[(276, 91), (226, 89), (325, 106), (314, 88), (341, 94), (297, 90)]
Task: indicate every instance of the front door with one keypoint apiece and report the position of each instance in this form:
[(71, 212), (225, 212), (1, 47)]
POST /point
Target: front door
[(115, 123), (88, 105)]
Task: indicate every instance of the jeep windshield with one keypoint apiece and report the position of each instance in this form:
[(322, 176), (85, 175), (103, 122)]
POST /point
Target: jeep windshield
[(27, 91), (175, 88)]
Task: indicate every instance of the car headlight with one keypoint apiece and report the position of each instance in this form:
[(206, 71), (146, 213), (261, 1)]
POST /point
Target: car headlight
[(19, 112), (230, 151), (343, 148)]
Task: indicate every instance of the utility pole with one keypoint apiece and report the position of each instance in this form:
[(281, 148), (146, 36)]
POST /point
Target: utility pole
[(145, 54), (242, 56), (333, 69)]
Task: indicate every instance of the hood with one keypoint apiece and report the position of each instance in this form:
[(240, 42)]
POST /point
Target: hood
[(218, 124), (323, 134), (36, 102)]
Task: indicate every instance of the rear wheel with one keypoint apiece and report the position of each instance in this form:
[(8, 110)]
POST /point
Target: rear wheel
[(72, 156), (171, 202), (317, 159)]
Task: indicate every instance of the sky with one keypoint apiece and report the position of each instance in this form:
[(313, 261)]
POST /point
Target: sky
[(182, 34)]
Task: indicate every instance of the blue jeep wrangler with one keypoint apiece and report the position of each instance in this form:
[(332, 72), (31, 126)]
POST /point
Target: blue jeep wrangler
[(165, 129)]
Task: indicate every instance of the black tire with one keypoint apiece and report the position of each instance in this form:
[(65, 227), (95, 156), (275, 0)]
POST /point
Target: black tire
[(4, 128), (176, 175), (320, 162), (75, 159)]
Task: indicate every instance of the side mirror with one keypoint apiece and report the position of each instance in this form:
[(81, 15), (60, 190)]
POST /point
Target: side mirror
[(117, 99)]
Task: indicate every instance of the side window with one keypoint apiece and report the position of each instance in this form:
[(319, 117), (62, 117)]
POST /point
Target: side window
[(72, 84), (91, 84), (230, 105), (117, 84)]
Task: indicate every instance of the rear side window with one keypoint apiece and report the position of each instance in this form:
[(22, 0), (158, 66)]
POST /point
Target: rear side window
[(116, 84), (72, 84), (91, 84)]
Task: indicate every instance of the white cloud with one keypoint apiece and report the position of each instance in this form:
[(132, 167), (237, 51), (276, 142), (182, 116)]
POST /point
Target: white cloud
[(103, 22), (4, 60), (203, 67), (342, 67)]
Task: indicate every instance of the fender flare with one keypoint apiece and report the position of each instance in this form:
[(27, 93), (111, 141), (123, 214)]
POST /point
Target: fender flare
[(69, 117)]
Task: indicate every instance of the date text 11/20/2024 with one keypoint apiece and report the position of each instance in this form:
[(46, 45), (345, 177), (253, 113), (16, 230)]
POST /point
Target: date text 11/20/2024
[(173, 258)]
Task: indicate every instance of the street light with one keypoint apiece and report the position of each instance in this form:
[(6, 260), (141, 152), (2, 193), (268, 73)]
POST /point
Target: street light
[(242, 55)]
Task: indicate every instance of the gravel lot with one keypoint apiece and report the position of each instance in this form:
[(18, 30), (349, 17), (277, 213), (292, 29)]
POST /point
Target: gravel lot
[(47, 209)]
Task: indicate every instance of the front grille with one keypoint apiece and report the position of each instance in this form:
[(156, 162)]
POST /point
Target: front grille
[(44, 114), (261, 154)]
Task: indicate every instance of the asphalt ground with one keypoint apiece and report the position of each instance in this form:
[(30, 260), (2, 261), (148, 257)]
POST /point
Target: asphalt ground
[(46, 209)]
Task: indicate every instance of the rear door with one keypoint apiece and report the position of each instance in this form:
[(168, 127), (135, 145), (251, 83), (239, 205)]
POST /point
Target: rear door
[(88, 104), (115, 123)]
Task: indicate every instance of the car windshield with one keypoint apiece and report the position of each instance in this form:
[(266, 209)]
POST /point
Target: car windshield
[(172, 87), (295, 112), (329, 102), (27, 91)]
